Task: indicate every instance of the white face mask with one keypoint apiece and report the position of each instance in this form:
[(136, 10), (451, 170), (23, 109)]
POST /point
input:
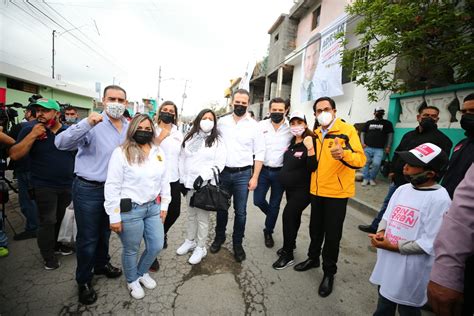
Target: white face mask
[(325, 118), (115, 110), (297, 130), (206, 125)]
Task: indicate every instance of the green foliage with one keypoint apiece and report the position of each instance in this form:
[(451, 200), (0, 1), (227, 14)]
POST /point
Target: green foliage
[(432, 42)]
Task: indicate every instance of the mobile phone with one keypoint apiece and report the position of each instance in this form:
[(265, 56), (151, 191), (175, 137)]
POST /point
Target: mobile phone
[(125, 205)]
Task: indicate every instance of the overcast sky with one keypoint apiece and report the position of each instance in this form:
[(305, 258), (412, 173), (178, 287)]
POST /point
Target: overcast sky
[(207, 42)]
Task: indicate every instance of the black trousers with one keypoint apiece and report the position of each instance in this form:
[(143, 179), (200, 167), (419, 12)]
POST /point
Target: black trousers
[(326, 223), (297, 200), (174, 209), (51, 203)]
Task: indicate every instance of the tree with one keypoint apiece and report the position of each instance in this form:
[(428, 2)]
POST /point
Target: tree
[(431, 42)]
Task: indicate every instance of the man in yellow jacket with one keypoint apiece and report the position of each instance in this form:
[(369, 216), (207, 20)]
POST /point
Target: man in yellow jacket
[(339, 153)]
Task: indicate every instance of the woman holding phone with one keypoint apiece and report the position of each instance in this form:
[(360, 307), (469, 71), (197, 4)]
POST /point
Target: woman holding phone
[(137, 176)]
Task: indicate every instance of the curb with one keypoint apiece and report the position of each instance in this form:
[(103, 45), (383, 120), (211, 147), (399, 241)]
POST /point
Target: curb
[(363, 207)]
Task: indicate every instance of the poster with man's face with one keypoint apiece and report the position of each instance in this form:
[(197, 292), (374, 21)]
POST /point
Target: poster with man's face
[(321, 68)]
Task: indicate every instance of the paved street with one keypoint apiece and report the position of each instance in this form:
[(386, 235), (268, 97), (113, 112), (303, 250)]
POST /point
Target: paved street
[(215, 287)]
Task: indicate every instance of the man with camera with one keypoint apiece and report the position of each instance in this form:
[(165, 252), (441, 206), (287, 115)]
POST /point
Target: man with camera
[(8, 141), (51, 176)]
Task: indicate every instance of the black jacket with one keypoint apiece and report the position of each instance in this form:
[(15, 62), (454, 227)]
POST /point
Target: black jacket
[(412, 139), (461, 160), (297, 167)]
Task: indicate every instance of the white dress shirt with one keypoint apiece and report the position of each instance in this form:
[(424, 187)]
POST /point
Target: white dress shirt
[(276, 142), (195, 162), (171, 145), (242, 139), (140, 182)]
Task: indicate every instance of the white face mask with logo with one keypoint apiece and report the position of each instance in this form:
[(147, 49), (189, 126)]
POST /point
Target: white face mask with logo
[(115, 110), (206, 125), (324, 119)]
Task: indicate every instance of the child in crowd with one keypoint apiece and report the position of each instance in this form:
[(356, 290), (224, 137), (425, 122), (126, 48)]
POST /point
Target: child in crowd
[(406, 234)]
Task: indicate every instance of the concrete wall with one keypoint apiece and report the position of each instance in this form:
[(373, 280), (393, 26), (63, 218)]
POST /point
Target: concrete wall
[(286, 43)]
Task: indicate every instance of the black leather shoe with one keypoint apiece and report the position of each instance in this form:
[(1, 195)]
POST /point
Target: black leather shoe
[(269, 243), (283, 262), (87, 294), (325, 288), (109, 271), (216, 246), (367, 229), (165, 243), (280, 251), (155, 266), (307, 264), (25, 235), (239, 253)]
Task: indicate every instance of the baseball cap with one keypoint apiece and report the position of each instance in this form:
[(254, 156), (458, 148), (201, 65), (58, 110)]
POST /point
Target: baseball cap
[(379, 109), (298, 114), (425, 155), (47, 103)]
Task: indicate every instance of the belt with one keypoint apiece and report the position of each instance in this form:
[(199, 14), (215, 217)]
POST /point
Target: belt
[(91, 182), (236, 169), (272, 168)]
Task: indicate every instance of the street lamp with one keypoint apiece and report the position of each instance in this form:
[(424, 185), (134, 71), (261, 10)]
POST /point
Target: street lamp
[(184, 96), (160, 79)]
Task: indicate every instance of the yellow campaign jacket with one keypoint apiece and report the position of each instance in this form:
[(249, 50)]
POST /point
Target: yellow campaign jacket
[(336, 178)]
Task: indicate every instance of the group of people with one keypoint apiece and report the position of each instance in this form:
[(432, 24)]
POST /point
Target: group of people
[(128, 177)]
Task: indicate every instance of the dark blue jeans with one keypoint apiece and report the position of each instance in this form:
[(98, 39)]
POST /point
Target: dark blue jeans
[(237, 185), (27, 206), (269, 179), (391, 190), (386, 307), (93, 231)]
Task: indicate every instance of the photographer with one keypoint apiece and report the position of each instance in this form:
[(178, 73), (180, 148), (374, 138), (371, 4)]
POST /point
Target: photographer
[(4, 140), (21, 170), (51, 176)]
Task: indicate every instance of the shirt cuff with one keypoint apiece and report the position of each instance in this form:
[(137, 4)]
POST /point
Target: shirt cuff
[(115, 218), (448, 276)]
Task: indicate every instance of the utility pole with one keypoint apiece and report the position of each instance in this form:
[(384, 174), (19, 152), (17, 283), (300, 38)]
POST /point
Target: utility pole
[(159, 85), (52, 67), (184, 96)]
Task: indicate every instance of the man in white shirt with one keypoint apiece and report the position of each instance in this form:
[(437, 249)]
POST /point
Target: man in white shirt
[(277, 136), (240, 134)]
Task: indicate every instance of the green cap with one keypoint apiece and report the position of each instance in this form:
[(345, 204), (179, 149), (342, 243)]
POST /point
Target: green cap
[(47, 103)]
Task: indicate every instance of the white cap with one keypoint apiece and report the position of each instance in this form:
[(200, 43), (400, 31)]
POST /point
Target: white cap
[(379, 108), (298, 114)]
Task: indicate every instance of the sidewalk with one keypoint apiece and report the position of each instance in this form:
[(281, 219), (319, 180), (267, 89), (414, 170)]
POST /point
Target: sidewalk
[(369, 199)]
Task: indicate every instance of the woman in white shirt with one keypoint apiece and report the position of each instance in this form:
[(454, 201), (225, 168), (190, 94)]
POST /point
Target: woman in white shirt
[(170, 138), (202, 150), (137, 183)]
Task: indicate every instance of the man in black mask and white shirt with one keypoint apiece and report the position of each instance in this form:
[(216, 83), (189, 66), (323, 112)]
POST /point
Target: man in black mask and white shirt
[(426, 132), (277, 136)]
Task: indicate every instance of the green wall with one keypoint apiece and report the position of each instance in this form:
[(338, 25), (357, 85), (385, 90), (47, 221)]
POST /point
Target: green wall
[(455, 134), (13, 95)]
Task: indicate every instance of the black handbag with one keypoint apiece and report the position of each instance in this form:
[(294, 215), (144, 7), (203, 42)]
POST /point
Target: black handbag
[(385, 167), (211, 197)]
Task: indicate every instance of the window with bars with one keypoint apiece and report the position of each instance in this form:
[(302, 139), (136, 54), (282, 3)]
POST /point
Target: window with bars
[(316, 18), (358, 56), (22, 86)]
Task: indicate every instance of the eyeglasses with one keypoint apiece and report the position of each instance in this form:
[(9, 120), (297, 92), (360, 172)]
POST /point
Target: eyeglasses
[(465, 111), (327, 109)]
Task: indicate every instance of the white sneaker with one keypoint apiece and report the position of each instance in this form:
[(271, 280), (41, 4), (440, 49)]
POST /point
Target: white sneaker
[(147, 281), (136, 290), (372, 183), (186, 247), (364, 182), (198, 254)]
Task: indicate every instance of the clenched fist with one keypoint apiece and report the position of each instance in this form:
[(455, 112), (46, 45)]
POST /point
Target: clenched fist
[(94, 119), (38, 130), (308, 142)]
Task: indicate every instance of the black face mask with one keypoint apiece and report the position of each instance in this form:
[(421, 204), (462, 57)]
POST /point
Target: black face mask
[(428, 124), (143, 137), (379, 115), (467, 123), (166, 117), (419, 178), (276, 117), (239, 109)]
